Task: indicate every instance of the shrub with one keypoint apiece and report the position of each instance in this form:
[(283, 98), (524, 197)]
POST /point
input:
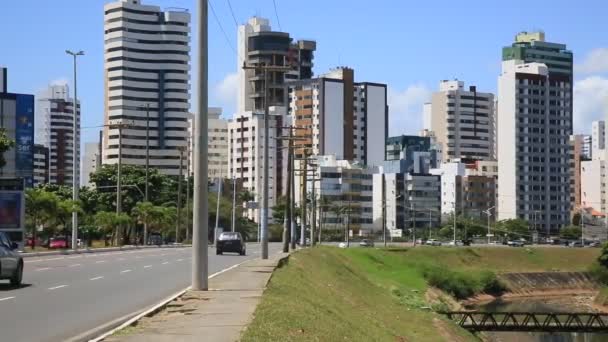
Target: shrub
[(491, 284), (463, 285), (599, 273)]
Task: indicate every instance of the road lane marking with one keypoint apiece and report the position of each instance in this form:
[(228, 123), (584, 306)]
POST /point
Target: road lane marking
[(166, 262), (120, 259), (73, 257), (138, 257), (43, 269), (99, 261), (57, 287), (6, 298), (147, 266), (180, 259), (46, 259), (125, 271), (97, 278), (75, 265)]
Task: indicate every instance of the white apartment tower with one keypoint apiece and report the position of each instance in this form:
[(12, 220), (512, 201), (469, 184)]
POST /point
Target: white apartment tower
[(463, 121), (54, 124), (340, 117), (534, 111), (218, 144), (598, 140), (147, 71), (246, 154)]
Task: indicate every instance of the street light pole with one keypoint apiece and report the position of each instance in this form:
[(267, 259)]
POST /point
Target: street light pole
[(287, 218), (383, 202), (217, 208), (75, 151), (234, 203), (147, 166), (179, 192), (488, 213), (200, 229)]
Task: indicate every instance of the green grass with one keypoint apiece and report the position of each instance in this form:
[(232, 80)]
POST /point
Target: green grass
[(331, 294)]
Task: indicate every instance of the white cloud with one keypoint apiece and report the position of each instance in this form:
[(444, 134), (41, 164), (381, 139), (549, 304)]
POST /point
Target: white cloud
[(595, 62), (225, 93), (405, 109), (590, 102)]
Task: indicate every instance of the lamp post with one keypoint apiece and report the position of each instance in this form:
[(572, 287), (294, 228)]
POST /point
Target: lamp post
[(488, 213), (75, 150)]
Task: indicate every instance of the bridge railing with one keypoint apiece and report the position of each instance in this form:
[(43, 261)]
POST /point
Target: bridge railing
[(530, 321)]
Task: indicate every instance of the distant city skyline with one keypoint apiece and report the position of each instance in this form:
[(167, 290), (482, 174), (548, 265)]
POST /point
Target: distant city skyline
[(411, 48)]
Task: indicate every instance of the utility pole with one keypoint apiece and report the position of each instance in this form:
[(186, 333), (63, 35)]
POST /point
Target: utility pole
[(233, 204), (348, 222), (120, 127), (455, 198), (75, 150), (147, 167), (179, 192), (287, 218), (489, 213), (430, 222), (304, 190), (413, 213), (582, 227), (200, 229), (383, 202), (188, 212), (217, 208), (292, 201)]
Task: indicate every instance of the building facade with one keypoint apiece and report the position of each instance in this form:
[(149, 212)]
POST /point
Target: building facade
[(346, 185), (587, 147), (91, 161), (219, 139), (593, 185), (246, 155), (147, 83), (576, 155), (598, 140), (535, 125), (55, 130), (340, 117), (41, 164), (17, 119), (463, 121), (257, 45)]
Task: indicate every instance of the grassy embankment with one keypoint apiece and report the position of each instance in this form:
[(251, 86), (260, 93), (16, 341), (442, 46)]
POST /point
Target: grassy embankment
[(331, 294)]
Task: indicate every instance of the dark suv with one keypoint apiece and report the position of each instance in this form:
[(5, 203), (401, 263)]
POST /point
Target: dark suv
[(230, 242), (11, 263)]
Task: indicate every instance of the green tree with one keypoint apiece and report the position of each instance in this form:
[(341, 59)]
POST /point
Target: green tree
[(5, 145), (576, 219), (40, 207), (570, 233), (111, 223), (513, 228), (603, 258)]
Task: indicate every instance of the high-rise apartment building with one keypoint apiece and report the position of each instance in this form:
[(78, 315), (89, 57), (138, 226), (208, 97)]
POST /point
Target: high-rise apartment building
[(338, 116), (576, 156), (463, 121), (90, 162), (147, 71), (587, 148), (259, 45), (598, 140), (219, 141), (534, 111), (55, 130), (41, 164), (246, 154)]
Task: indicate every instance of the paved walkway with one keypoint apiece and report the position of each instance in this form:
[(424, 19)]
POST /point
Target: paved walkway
[(220, 314)]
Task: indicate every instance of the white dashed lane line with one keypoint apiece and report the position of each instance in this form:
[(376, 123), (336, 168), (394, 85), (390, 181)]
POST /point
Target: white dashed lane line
[(97, 278), (57, 287), (147, 266), (125, 271), (164, 263), (43, 269), (75, 265), (180, 259), (99, 261), (6, 298)]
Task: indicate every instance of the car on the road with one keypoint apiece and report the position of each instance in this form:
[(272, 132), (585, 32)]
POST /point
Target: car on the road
[(342, 245), (594, 244), (575, 244), (366, 243), (230, 242), (433, 242), (515, 243), (59, 242), (11, 263)]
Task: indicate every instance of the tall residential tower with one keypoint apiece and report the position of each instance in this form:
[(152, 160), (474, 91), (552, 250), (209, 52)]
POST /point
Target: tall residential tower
[(147, 70)]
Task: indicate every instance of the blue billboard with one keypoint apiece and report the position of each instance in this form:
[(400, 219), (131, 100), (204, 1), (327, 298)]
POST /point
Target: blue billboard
[(10, 210), (24, 138)]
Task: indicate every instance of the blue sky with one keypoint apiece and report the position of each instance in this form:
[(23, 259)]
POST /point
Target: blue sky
[(410, 45)]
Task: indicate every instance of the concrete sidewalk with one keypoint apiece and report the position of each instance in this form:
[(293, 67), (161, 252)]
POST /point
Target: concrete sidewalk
[(220, 314)]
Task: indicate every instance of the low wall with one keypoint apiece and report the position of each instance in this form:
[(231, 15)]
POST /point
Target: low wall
[(537, 283)]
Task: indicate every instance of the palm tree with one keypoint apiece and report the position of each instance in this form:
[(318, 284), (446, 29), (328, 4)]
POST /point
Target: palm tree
[(145, 213), (111, 222), (40, 206), (63, 213)]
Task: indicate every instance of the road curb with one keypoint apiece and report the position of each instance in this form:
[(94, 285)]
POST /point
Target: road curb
[(133, 318)]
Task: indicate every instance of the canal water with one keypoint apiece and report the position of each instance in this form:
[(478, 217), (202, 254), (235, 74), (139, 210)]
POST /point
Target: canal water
[(561, 304)]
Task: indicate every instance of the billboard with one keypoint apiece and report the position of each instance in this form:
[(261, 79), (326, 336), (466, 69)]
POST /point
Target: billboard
[(10, 210), (24, 138)]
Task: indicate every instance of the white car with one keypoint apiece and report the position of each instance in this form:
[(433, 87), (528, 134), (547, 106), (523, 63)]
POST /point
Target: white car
[(433, 242), (11, 263)]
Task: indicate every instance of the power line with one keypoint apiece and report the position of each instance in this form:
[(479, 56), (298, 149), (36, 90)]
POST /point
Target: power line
[(217, 20), (232, 13), (276, 13)]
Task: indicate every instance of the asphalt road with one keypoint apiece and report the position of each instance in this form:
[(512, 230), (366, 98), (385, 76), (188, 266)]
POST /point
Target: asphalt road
[(65, 296)]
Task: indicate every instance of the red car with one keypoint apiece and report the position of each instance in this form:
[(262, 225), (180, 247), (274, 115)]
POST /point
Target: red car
[(58, 243), (29, 241)]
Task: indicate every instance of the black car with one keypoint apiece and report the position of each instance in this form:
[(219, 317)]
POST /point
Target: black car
[(230, 242), (11, 263)]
